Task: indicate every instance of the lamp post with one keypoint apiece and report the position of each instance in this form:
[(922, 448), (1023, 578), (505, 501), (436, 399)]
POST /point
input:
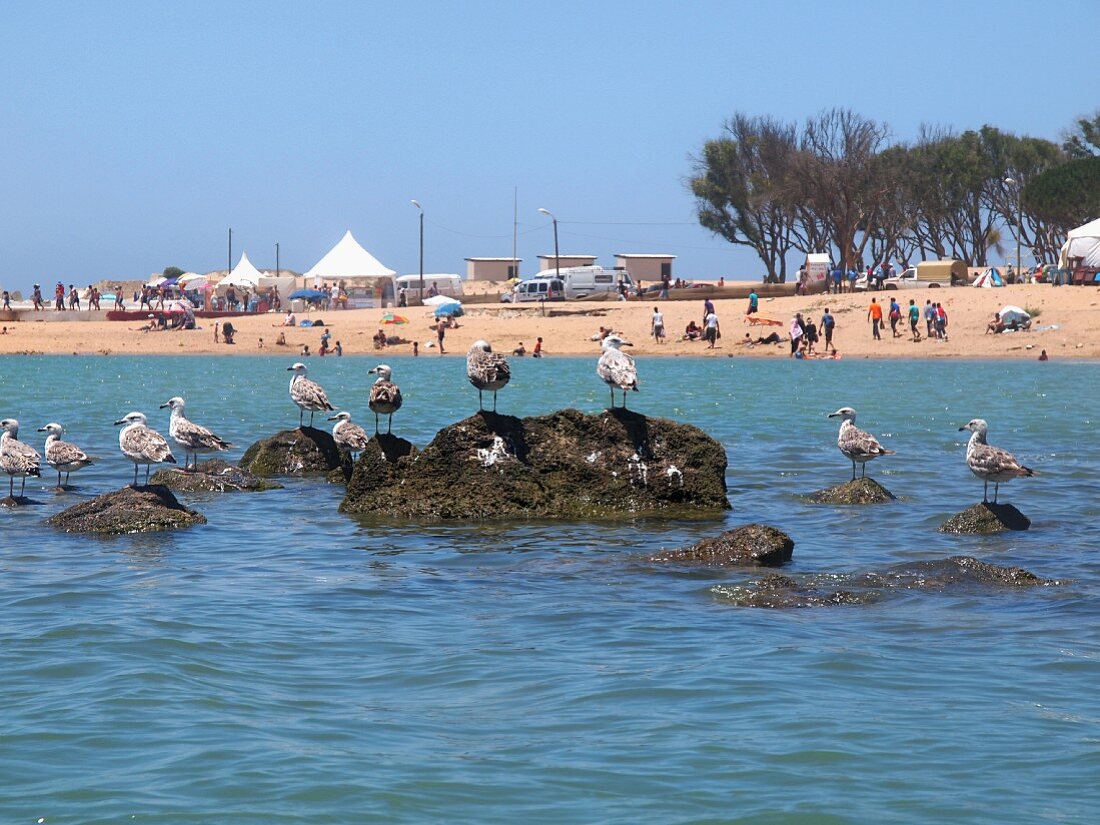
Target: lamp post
[(416, 203), (557, 259), (1019, 223)]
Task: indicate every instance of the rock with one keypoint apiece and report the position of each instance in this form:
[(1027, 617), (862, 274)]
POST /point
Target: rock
[(16, 501), (984, 518), (823, 590), (129, 510), (564, 465), (216, 475), (753, 544), (859, 491), (305, 451)]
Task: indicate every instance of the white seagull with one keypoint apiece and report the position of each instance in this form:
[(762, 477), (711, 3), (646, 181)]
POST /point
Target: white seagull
[(616, 368), (192, 437), (991, 463), (61, 455), (348, 435), (385, 396), (308, 395), (17, 458), (855, 443), (142, 445), (487, 370)]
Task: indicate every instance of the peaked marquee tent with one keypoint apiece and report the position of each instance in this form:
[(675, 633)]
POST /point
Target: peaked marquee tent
[(1083, 242), (243, 276), (363, 274)]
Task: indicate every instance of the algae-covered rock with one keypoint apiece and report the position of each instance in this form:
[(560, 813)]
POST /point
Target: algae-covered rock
[(858, 491), (563, 465), (215, 476), (827, 590), (985, 518), (305, 451), (752, 544), (129, 510)]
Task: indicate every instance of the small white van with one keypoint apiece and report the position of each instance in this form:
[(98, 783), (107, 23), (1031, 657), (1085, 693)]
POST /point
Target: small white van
[(444, 284), (582, 281), (537, 289)]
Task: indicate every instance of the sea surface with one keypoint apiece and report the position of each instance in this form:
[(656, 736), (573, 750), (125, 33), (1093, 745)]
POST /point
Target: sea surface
[(289, 664)]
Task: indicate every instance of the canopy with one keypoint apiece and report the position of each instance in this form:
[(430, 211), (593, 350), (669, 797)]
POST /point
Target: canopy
[(243, 276), (990, 278), (1013, 314), (1083, 242), (306, 294), (348, 260), (188, 277), (451, 310), (440, 300)]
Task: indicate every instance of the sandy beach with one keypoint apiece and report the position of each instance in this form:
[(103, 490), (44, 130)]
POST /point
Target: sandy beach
[(1064, 325)]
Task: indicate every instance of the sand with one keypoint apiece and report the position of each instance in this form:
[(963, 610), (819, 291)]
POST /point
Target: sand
[(566, 329)]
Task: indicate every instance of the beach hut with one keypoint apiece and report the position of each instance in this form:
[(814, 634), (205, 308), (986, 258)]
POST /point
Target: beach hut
[(367, 281)]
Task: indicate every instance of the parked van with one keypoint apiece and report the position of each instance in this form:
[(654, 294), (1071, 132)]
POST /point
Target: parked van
[(582, 281), (537, 289), (444, 284)]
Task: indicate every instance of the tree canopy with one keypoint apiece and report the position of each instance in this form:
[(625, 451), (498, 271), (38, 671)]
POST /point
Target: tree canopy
[(1067, 195)]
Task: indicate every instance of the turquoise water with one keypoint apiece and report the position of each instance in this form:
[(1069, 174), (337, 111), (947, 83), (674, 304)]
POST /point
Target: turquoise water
[(288, 664)]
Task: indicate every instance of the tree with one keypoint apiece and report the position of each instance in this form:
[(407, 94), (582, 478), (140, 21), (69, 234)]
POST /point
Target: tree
[(172, 272), (739, 183), (1067, 195), (1083, 140)]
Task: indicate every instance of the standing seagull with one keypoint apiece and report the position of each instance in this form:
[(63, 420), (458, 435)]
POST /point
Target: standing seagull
[(855, 443), (142, 445), (991, 463), (17, 458), (189, 435), (385, 396), (487, 370), (617, 368), (308, 395), (348, 436), (61, 455)]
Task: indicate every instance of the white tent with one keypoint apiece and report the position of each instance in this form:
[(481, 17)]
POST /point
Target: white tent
[(243, 276), (188, 277), (348, 260), (1083, 242), (1013, 314)]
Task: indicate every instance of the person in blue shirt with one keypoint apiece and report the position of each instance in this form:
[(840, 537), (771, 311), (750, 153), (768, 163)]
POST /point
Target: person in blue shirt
[(827, 324), (852, 275), (838, 286), (754, 303)]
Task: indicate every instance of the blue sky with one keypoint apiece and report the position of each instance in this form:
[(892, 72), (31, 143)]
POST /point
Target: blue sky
[(133, 135)]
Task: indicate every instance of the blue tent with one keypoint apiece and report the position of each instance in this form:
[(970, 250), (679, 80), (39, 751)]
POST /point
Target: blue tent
[(449, 311)]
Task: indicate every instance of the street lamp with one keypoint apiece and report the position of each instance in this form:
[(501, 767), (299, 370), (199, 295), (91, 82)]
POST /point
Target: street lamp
[(557, 259), (416, 203), (1019, 224)]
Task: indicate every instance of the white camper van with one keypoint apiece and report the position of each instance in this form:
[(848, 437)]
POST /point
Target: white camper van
[(444, 284), (582, 281)]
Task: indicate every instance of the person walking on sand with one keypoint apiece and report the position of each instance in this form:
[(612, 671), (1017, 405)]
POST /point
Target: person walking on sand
[(929, 316), (657, 326), (754, 302), (440, 332), (914, 319), (895, 316), (874, 315), (796, 335), (37, 298), (711, 330), (827, 324), (217, 328), (941, 321), (708, 309)]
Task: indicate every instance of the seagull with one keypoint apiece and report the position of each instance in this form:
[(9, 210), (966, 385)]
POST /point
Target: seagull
[(308, 395), (142, 445), (61, 455), (385, 396), (617, 368), (17, 458), (193, 438), (855, 443), (487, 370), (347, 435), (991, 463)]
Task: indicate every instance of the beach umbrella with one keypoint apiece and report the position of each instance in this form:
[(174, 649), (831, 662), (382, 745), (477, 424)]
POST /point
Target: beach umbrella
[(1013, 314), (453, 310), (188, 277), (306, 294), (390, 318), (440, 300)]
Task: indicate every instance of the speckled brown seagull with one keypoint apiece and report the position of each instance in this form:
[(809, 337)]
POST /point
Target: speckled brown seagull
[(488, 371), (991, 463), (385, 396), (855, 443), (61, 455)]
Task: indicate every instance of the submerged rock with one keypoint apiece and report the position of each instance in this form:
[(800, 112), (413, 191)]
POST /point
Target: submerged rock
[(984, 518), (564, 465), (305, 451), (752, 544), (823, 590), (859, 491), (129, 510), (215, 475)]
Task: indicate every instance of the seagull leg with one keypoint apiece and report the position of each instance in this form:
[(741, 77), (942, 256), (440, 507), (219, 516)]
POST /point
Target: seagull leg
[(301, 413), (23, 487), (853, 469), (11, 486), (864, 473), (480, 405), (389, 427), (377, 427), (135, 473), (494, 400), (996, 490), (612, 397), (58, 478)]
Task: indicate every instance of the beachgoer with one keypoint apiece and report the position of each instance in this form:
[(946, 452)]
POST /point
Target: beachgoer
[(520, 350), (895, 316), (712, 330), (379, 339), (754, 303), (828, 322), (305, 351), (1043, 356), (810, 336), (692, 332), (996, 325), (852, 276), (537, 351), (772, 338), (929, 316), (838, 280), (708, 309), (289, 320), (941, 321), (416, 348), (59, 297), (914, 319), (796, 335), (402, 298), (656, 324), (260, 343), (338, 349), (326, 336), (228, 331), (7, 300), (440, 331), (874, 315), (281, 340), (217, 329), (37, 298)]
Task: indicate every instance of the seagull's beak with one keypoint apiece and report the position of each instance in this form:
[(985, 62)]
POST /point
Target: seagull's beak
[(626, 344), (371, 372), (334, 418), (42, 429), (961, 429), (833, 415), (165, 404), (120, 421)]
